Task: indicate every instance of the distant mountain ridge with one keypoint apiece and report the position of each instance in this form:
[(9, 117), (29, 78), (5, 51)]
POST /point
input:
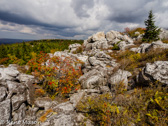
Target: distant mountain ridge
[(10, 41)]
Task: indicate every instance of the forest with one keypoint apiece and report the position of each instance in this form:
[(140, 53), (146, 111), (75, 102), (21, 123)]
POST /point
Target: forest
[(21, 53)]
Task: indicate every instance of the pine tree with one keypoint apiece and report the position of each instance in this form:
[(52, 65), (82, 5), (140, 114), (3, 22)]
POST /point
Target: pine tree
[(152, 31)]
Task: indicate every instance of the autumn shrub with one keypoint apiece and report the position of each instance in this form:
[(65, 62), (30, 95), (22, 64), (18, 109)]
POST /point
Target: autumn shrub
[(39, 93), (130, 60), (4, 60), (131, 32), (98, 109), (59, 75), (147, 106)]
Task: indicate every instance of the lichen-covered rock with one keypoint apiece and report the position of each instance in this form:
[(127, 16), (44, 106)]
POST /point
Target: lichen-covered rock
[(5, 111), (146, 47), (16, 94), (30, 92), (163, 34), (75, 98), (157, 44), (73, 47), (100, 41), (20, 114), (120, 77), (44, 102), (111, 35), (141, 49), (3, 93), (92, 79), (15, 88), (100, 36), (17, 101), (25, 77), (8, 73), (157, 71)]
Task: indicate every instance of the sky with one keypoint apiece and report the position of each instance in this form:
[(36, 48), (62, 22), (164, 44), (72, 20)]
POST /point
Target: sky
[(75, 19)]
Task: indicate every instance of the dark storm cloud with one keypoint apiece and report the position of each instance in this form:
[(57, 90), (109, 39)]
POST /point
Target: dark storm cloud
[(10, 17), (127, 11), (81, 6), (71, 18), (128, 17)]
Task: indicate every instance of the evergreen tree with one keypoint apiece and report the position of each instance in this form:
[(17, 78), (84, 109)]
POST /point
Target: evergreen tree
[(3, 51), (152, 31)]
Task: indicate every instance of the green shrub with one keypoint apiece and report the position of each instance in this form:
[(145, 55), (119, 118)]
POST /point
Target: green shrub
[(141, 107)]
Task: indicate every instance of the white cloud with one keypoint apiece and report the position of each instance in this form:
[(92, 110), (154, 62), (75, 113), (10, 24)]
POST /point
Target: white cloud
[(77, 18)]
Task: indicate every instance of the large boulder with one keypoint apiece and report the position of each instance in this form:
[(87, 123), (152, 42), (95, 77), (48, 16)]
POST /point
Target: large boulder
[(120, 77), (8, 73), (157, 44), (157, 71), (16, 95), (102, 41), (25, 77), (5, 111), (44, 102), (3, 93), (163, 34), (92, 79), (111, 35), (74, 47), (146, 47), (100, 36)]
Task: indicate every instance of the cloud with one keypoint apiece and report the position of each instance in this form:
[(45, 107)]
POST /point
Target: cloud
[(76, 18)]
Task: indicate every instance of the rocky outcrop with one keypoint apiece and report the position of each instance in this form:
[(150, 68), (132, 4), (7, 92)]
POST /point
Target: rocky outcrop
[(16, 94), (102, 41), (74, 47), (97, 70), (157, 71), (120, 77), (146, 47), (163, 34)]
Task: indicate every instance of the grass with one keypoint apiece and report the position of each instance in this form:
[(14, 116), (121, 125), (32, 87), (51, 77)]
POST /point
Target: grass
[(129, 60)]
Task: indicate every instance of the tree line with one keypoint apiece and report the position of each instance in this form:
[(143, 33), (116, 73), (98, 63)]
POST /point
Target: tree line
[(21, 53)]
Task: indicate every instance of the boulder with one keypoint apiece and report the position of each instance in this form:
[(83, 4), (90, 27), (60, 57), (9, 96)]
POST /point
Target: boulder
[(5, 111), (30, 92), (163, 34), (157, 44), (65, 107), (99, 36), (3, 93), (8, 73), (64, 120), (111, 35), (15, 88), (74, 47), (20, 114), (141, 49), (44, 102), (75, 98), (25, 77), (119, 77), (92, 79), (17, 101), (146, 47), (157, 71)]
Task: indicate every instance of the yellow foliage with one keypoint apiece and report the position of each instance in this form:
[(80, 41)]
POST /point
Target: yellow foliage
[(43, 118)]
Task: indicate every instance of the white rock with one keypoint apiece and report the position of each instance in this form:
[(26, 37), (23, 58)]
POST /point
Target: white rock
[(99, 36), (157, 71), (120, 76)]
